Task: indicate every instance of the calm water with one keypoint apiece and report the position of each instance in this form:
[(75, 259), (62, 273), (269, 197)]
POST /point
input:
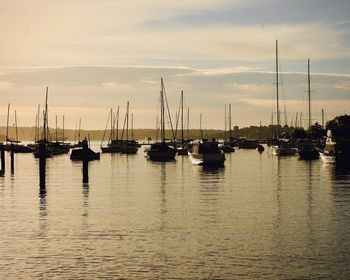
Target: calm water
[(260, 217)]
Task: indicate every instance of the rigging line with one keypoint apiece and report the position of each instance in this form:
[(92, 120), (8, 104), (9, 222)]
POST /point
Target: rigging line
[(167, 105), (282, 85), (124, 124), (177, 114), (177, 118), (7, 123), (156, 117), (104, 133)]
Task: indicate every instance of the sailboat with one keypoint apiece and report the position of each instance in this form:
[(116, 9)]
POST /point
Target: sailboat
[(229, 142), (128, 146), (206, 152), (114, 143), (181, 148), (280, 147), (307, 150), (11, 144), (58, 147), (80, 143), (85, 152), (337, 146), (44, 139), (161, 151)]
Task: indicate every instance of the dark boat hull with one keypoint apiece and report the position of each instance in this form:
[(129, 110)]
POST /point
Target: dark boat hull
[(130, 150), (182, 151), (18, 148), (227, 149), (308, 154), (161, 152), (81, 154), (111, 150)]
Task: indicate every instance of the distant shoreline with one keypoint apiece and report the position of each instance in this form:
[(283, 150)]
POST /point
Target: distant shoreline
[(253, 132)]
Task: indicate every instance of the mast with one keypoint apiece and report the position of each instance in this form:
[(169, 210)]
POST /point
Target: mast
[(113, 128), (38, 124), (45, 116), (56, 130), (75, 133), (309, 92), (177, 116), (229, 121), (63, 128), (111, 134), (182, 116), (277, 94), (225, 123), (7, 122), (117, 123), (188, 122), (322, 118), (79, 130), (260, 131), (272, 119), (16, 126), (200, 126), (285, 116), (296, 119), (168, 111), (132, 126), (127, 121), (162, 128)]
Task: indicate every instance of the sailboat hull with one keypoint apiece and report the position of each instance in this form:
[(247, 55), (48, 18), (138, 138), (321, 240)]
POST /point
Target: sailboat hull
[(308, 154), (208, 159), (160, 152), (111, 149), (283, 151), (17, 148)]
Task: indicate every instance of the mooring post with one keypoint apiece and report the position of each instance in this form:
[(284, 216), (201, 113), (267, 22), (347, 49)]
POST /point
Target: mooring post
[(42, 164), (85, 163), (85, 171), (2, 154), (12, 153)]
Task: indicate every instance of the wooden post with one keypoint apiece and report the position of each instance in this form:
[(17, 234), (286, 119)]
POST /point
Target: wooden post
[(2, 152), (85, 171), (85, 163), (42, 164), (12, 153)]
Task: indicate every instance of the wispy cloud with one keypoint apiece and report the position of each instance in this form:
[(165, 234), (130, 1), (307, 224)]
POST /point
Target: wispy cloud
[(89, 91)]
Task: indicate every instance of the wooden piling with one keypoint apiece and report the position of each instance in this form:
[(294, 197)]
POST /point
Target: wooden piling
[(2, 155), (85, 163), (12, 154), (42, 164), (85, 171)]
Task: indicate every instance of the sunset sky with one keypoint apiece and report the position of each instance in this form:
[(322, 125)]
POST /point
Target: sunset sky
[(97, 54)]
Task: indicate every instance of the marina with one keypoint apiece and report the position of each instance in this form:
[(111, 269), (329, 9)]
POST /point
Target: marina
[(163, 140), (138, 218)]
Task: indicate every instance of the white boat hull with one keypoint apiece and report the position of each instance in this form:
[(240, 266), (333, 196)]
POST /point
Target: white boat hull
[(207, 159), (278, 151), (327, 159)]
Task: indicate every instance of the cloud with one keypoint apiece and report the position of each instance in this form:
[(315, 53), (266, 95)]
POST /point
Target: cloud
[(89, 92), (117, 33), (265, 13)]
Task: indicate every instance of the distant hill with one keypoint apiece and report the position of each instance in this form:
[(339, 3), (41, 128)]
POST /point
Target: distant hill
[(253, 132), (28, 134)]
